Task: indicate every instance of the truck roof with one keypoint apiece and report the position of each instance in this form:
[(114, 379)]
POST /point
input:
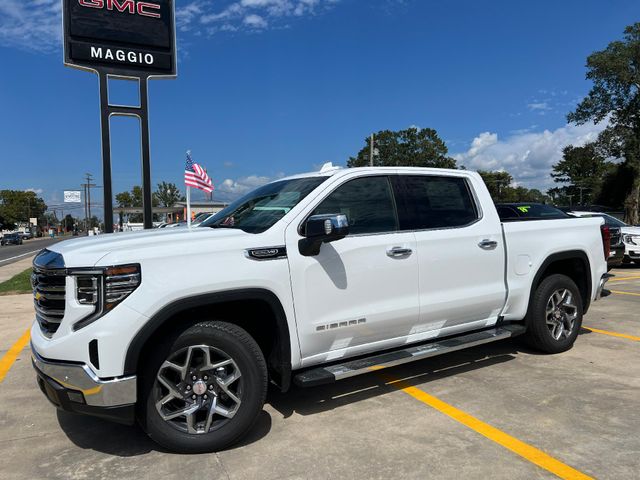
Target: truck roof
[(328, 170)]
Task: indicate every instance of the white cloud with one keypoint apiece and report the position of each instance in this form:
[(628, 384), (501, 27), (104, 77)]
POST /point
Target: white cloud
[(31, 24), (255, 21), (527, 156), (250, 14), (230, 190), (539, 106), (37, 191), (187, 14)]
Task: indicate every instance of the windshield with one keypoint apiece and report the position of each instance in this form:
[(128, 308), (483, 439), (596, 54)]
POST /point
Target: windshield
[(260, 209)]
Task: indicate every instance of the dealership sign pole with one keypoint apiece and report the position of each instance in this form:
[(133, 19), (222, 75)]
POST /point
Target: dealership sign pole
[(123, 39)]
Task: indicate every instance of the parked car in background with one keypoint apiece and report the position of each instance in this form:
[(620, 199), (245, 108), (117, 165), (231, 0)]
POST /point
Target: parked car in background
[(175, 224), (11, 239), (629, 241), (510, 212), (26, 235), (528, 211)]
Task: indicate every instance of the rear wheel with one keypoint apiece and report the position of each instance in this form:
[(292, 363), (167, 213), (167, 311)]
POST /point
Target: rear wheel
[(555, 315), (203, 389)]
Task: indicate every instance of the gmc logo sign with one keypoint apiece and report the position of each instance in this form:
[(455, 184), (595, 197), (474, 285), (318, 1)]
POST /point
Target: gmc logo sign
[(145, 9), (129, 38)]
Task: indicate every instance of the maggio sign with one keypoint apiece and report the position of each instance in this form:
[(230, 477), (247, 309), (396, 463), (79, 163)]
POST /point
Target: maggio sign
[(121, 37)]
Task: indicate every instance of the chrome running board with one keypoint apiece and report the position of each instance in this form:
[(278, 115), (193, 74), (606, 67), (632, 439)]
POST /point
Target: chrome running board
[(332, 373)]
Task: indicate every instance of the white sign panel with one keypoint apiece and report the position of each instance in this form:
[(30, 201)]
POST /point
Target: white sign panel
[(72, 196)]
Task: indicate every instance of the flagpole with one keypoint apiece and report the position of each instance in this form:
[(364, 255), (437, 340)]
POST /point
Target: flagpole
[(189, 207)]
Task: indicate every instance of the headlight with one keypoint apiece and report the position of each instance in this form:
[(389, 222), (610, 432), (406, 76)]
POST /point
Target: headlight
[(104, 289)]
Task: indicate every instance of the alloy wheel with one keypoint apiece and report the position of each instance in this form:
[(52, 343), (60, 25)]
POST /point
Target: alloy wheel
[(198, 389), (561, 314)]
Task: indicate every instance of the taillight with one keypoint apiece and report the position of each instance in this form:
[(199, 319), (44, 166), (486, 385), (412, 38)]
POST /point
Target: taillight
[(606, 240)]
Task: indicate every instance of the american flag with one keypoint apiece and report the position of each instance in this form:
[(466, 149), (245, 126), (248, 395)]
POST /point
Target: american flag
[(195, 176)]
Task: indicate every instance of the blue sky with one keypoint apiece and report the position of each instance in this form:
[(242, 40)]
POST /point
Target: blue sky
[(273, 87)]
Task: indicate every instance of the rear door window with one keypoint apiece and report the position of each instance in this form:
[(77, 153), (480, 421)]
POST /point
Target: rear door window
[(431, 201)]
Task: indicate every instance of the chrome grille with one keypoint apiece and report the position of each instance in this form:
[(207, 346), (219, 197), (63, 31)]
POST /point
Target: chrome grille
[(48, 298)]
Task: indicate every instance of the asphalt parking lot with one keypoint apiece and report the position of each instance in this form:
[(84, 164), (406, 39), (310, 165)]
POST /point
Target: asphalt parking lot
[(495, 411)]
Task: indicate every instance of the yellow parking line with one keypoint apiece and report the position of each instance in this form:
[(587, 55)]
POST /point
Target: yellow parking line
[(613, 334), (526, 451), (11, 355), (625, 293)]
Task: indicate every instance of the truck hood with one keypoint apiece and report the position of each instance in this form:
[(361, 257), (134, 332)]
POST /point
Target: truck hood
[(88, 251)]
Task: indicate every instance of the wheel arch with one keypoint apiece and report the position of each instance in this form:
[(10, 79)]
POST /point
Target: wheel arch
[(212, 305), (572, 263)]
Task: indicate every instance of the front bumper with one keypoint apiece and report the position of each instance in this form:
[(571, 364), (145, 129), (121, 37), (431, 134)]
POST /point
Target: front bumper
[(74, 387)]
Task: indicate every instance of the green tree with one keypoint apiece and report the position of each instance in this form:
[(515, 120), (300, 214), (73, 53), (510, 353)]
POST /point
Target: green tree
[(124, 200), (68, 222), (18, 206), (615, 185), (95, 222), (615, 98), (583, 168), (168, 194), (134, 198), (413, 147), (497, 183)]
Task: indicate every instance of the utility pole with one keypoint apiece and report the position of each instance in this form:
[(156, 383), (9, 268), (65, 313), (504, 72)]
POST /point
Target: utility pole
[(371, 152), (84, 196), (87, 203)]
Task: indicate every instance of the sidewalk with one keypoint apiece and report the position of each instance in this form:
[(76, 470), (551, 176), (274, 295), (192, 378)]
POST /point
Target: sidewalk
[(16, 315), (8, 271)]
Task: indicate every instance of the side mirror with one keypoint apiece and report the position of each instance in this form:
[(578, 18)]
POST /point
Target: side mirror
[(320, 229)]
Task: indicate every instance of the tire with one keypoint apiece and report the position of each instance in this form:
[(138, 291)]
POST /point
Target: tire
[(205, 426), (554, 317)]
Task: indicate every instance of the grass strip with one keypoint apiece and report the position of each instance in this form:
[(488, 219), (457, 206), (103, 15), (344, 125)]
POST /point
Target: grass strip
[(20, 283)]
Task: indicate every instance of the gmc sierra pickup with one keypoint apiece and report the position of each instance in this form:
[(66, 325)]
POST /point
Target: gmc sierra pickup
[(310, 279)]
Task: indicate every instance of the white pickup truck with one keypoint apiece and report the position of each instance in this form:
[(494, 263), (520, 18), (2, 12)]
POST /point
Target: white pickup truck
[(310, 279)]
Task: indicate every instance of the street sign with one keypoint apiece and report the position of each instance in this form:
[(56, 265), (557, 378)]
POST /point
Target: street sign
[(128, 38), (72, 196)]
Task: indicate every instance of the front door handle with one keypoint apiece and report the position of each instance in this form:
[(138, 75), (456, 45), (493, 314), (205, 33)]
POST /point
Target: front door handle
[(487, 244), (399, 252)]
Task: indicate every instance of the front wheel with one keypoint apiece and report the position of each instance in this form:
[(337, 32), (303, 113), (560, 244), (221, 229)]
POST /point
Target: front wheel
[(204, 388), (555, 315)]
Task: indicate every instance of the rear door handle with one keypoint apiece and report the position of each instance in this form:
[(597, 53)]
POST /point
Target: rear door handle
[(487, 244), (399, 252)]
